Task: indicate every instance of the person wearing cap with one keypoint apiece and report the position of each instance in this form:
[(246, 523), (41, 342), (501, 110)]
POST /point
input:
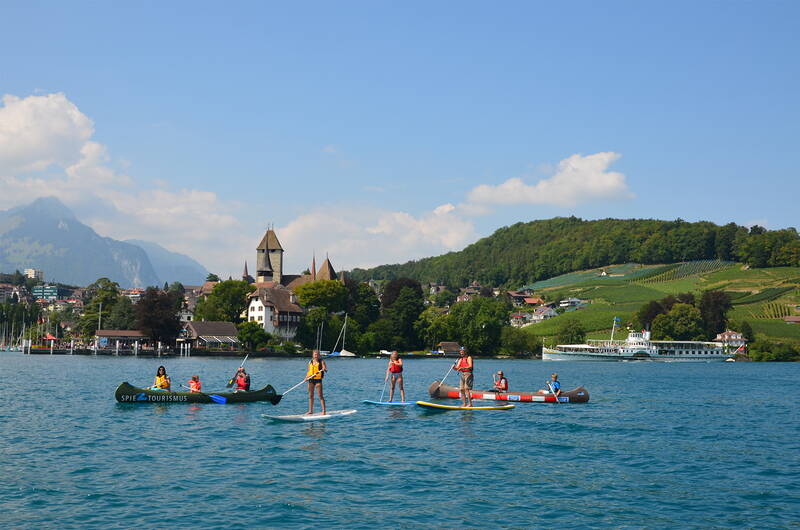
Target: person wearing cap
[(464, 367), (500, 382)]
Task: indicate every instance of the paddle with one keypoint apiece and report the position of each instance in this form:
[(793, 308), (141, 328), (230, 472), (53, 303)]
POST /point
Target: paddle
[(230, 382), (445, 375), (213, 397), (385, 380), (553, 391), (295, 386)]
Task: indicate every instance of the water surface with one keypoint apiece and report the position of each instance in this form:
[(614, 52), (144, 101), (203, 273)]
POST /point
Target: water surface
[(658, 445)]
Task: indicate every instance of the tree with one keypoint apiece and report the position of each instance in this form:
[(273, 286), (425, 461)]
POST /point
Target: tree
[(403, 313), (648, 313), (226, 302), (104, 295), (392, 290), (683, 322), (433, 326), (478, 323), (329, 294), (518, 342), (571, 331), (122, 315), (363, 304), (212, 277), (747, 331), (252, 335), (445, 298), (156, 316), (714, 307)]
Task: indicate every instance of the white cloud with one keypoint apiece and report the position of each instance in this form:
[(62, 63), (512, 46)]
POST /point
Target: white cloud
[(359, 237), (330, 150), (46, 148), (577, 179)]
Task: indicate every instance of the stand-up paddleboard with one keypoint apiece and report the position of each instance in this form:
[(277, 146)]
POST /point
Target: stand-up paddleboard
[(299, 418), (437, 406), (389, 403)]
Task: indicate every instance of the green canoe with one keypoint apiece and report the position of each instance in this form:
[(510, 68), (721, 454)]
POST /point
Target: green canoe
[(127, 393)]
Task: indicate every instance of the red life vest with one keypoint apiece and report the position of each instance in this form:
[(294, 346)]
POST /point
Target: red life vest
[(463, 365), (395, 368), (241, 382), (194, 386), (502, 383)]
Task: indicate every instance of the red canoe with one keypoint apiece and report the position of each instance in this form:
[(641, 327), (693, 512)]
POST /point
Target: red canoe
[(577, 395)]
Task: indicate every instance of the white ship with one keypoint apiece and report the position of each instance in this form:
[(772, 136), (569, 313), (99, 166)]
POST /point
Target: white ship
[(637, 347)]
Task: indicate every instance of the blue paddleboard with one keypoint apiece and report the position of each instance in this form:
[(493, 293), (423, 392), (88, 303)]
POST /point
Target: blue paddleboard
[(389, 403)]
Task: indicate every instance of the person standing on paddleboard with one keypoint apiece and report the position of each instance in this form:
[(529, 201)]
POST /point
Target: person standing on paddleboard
[(395, 371), (314, 374), (464, 367)]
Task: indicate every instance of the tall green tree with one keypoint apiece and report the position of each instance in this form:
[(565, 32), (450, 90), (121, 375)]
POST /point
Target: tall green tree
[(156, 316), (252, 335), (122, 315), (104, 295), (478, 324), (714, 306), (403, 313), (212, 277), (329, 294), (226, 302), (518, 343), (683, 322), (571, 331), (393, 288)]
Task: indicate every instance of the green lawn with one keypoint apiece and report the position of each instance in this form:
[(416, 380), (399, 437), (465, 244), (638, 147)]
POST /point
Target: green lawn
[(595, 317), (776, 329)]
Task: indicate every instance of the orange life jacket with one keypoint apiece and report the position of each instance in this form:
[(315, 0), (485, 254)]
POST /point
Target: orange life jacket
[(195, 386), (463, 365)]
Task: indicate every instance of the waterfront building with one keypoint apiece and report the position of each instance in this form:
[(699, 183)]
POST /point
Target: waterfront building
[(731, 339), (211, 335)]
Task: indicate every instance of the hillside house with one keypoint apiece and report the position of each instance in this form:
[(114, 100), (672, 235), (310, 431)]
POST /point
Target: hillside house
[(521, 319), (543, 313), (571, 302)]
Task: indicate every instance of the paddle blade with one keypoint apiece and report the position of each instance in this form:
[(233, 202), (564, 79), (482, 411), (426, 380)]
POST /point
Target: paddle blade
[(218, 399)]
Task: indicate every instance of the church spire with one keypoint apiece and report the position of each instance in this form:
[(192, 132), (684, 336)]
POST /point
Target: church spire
[(313, 267)]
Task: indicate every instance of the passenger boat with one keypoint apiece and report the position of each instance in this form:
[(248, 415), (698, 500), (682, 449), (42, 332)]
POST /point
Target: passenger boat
[(127, 393), (577, 395), (637, 347)]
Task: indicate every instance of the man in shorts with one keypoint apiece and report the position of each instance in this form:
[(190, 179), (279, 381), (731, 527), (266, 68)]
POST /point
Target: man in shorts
[(464, 367)]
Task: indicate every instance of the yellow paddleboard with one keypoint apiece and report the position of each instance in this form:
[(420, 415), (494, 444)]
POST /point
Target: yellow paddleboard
[(437, 406)]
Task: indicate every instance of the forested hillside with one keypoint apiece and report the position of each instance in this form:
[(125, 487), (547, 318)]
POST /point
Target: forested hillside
[(527, 252)]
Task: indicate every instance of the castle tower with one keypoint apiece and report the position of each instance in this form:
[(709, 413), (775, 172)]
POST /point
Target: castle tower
[(326, 271), (313, 267), (269, 258)]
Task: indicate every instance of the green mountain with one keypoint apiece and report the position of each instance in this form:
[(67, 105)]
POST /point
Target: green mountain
[(528, 252)]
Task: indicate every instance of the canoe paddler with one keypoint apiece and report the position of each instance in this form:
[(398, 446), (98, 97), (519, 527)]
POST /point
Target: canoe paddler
[(464, 367), (242, 380), (553, 386), (195, 386), (162, 380), (500, 382), (316, 371)]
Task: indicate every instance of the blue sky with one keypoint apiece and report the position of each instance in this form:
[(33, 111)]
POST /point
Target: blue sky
[(384, 131)]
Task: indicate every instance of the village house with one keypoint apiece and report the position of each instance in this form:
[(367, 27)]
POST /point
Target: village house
[(571, 302), (791, 320), (276, 309), (543, 313), (448, 348), (521, 318), (732, 339)]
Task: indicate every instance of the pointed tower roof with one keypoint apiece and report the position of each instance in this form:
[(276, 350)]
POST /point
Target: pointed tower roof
[(326, 271), (269, 241), (245, 273), (313, 267)]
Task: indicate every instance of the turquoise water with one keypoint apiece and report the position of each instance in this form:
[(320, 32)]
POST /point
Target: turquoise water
[(659, 445)]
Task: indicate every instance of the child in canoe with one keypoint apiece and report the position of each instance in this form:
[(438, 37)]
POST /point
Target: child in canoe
[(395, 371), (162, 380), (314, 374), (195, 386)]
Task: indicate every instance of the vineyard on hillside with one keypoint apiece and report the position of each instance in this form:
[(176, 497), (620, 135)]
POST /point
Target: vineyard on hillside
[(771, 293), (687, 270)]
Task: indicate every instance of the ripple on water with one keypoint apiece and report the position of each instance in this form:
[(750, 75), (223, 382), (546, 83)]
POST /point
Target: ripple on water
[(653, 456)]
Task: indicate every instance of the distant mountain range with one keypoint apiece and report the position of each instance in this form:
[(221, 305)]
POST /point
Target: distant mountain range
[(46, 235)]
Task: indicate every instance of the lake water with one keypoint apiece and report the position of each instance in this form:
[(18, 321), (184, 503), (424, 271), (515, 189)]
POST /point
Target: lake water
[(658, 445)]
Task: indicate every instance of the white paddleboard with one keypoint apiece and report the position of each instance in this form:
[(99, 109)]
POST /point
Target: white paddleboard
[(317, 416)]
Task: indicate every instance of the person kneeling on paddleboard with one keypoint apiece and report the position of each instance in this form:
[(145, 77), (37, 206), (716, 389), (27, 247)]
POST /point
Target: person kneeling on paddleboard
[(464, 367), (500, 382), (395, 371), (314, 374)]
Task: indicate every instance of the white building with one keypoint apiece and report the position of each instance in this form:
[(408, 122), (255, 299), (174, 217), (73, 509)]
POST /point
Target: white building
[(276, 309), (34, 274), (732, 339)]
